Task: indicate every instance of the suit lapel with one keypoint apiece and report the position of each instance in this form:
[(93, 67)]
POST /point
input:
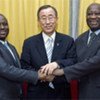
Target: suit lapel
[(91, 49), (41, 48), (57, 46), (16, 60), (96, 41), (6, 52), (85, 38)]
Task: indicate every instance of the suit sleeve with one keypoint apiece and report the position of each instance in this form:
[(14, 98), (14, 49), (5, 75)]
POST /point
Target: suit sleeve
[(70, 58), (88, 66), (13, 73), (25, 56)]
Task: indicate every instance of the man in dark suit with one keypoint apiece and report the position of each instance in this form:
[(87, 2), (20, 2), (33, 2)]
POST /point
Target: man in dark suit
[(35, 54), (87, 71), (10, 69)]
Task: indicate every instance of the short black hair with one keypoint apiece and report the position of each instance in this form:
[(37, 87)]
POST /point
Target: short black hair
[(45, 7), (97, 4), (4, 17)]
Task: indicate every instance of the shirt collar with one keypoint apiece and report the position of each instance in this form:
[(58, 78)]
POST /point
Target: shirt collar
[(3, 42), (96, 32), (45, 36)]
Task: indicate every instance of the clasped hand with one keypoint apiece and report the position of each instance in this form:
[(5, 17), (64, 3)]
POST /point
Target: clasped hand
[(46, 72)]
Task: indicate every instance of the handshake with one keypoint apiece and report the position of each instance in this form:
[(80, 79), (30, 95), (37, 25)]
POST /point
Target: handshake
[(49, 71)]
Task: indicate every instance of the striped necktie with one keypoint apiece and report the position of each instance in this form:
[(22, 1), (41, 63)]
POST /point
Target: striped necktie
[(92, 37), (49, 49)]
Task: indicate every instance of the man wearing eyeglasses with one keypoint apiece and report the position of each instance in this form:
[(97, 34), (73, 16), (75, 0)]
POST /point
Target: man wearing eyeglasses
[(87, 70), (48, 46)]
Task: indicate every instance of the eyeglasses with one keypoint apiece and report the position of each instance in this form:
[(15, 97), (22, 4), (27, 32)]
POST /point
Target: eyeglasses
[(44, 18)]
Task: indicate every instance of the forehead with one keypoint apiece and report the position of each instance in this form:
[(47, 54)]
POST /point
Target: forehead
[(94, 8), (2, 19), (47, 11)]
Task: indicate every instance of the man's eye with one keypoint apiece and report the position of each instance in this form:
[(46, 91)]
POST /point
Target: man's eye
[(90, 14), (4, 23), (44, 18), (97, 14)]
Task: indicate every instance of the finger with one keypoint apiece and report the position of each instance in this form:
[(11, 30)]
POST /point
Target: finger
[(46, 70), (51, 71), (43, 69)]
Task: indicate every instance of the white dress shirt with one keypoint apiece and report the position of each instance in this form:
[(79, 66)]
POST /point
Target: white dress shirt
[(45, 38)]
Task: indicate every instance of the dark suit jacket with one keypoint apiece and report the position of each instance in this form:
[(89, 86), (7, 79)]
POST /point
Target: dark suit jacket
[(87, 71), (11, 74), (34, 56)]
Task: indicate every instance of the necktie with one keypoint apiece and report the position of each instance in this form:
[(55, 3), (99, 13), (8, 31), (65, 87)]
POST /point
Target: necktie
[(92, 37), (8, 48), (49, 49)]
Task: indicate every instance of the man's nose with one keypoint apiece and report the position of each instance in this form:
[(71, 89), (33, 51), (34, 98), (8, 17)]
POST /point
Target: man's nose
[(93, 16), (1, 26), (47, 20)]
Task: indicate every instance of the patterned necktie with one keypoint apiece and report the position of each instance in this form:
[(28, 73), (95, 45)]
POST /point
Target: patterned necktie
[(49, 49), (92, 37)]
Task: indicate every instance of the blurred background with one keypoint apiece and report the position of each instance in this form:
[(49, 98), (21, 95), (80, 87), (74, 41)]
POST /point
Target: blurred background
[(22, 17)]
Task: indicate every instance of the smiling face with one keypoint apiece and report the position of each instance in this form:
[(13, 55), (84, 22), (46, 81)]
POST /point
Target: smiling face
[(47, 20), (4, 28), (93, 17)]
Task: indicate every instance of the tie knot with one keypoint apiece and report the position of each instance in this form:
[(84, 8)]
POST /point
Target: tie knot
[(92, 35), (50, 39)]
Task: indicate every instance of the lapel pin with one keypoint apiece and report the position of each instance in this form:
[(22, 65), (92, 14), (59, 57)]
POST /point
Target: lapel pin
[(57, 44)]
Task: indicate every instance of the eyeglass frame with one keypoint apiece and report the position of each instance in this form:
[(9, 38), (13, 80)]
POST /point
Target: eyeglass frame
[(50, 18)]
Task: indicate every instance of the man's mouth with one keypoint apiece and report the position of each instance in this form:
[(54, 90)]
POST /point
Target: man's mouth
[(48, 27), (94, 23), (2, 32)]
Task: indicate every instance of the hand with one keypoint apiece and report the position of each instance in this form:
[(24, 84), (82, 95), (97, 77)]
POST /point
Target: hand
[(58, 72), (49, 68), (41, 76), (50, 78)]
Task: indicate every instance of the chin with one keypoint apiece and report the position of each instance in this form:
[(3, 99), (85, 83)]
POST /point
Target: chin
[(3, 39), (95, 29)]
